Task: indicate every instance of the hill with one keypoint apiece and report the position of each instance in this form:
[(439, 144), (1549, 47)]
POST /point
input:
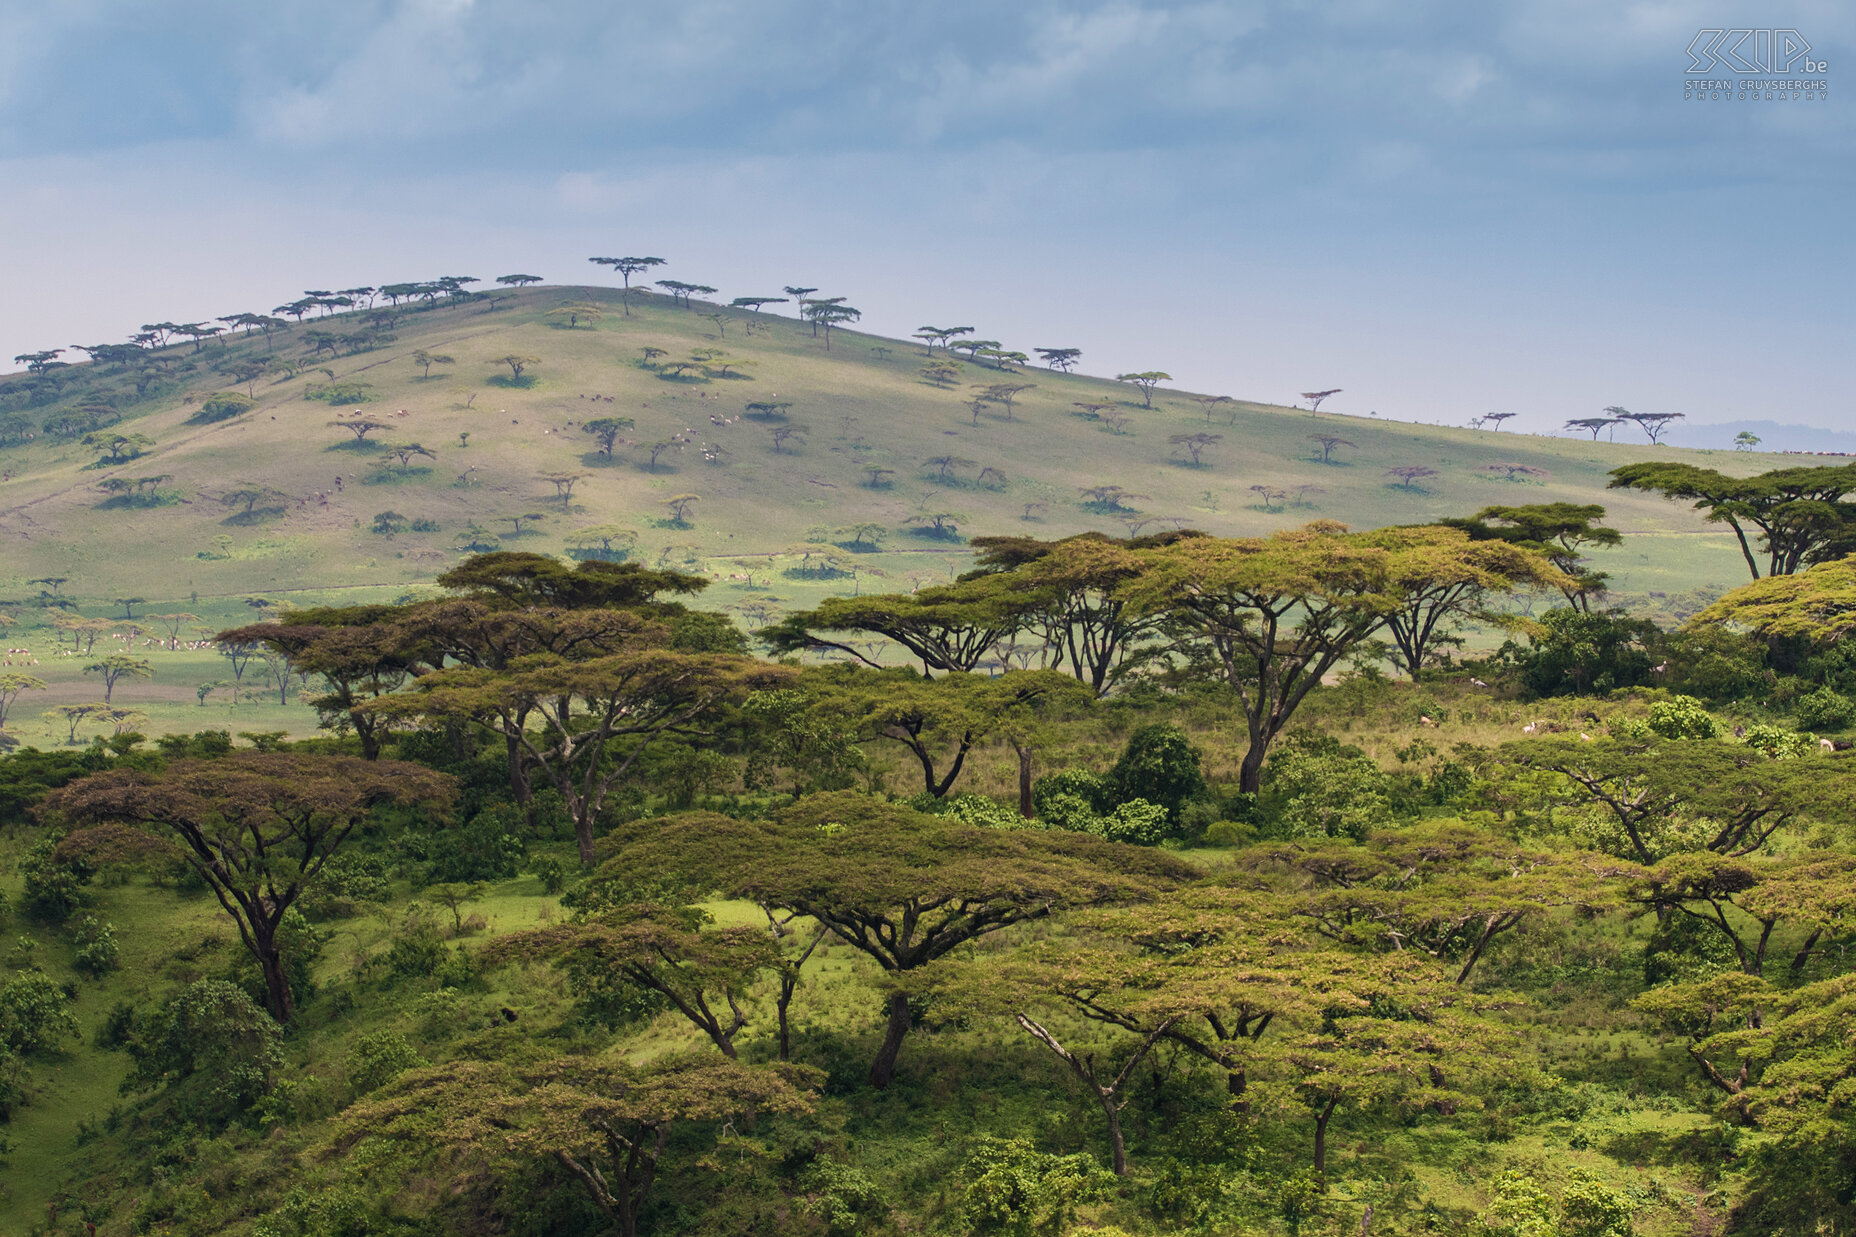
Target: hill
[(814, 465)]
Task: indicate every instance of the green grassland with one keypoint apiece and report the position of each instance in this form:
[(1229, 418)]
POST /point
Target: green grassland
[(861, 404)]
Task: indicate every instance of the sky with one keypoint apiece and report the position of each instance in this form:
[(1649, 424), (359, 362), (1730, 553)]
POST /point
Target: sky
[(1444, 209)]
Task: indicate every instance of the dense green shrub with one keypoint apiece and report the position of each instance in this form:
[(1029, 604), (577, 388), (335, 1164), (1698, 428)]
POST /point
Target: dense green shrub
[(486, 848), (1011, 1189), (1684, 718), (1092, 790), (214, 1050), (222, 406), (379, 1057), (35, 1014), (1825, 709), (1579, 653), (1159, 765), (94, 948), (54, 890), (1316, 787)]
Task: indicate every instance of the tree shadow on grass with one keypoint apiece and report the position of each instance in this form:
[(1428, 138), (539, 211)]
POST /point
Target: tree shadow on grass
[(524, 383), (257, 515)]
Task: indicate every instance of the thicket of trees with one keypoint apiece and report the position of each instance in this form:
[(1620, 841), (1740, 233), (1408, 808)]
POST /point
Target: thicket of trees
[(1233, 947)]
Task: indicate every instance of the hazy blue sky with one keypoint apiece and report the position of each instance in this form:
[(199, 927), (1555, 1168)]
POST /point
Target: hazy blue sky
[(1443, 208)]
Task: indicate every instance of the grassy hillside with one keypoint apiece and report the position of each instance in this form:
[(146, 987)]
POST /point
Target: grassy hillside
[(278, 503)]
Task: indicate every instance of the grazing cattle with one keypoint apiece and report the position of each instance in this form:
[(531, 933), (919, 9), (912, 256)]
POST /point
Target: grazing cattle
[(1826, 745), (1530, 728)]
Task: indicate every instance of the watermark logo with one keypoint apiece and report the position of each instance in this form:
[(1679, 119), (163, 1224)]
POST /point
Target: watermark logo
[(1755, 66)]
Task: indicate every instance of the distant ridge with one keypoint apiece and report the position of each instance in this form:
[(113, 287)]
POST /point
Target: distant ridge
[(1772, 436)]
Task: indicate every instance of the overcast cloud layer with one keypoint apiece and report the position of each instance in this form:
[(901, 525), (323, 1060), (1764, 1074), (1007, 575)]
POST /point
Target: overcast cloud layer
[(1443, 208)]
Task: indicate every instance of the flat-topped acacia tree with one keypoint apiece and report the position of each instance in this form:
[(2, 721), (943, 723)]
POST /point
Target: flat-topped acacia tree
[(903, 888), (625, 268), (257, 827), (1797, 514)]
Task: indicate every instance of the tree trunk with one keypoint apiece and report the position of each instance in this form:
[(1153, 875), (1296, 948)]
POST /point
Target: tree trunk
[(883, 1069), (1118, 1147), (1250, 773), (1321, 1136), (1025, 808), (583, 831), (276, 982)]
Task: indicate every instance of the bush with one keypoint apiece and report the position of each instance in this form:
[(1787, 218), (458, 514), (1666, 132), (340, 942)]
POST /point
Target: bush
[(1138, 823), (35, 1014), (1684, 718), (1014, 1190), (96, 953), (1159, 765), (214, 1050), (347, 880), (378, 1058), (486, 849), (1576, 653), (1093, 790), (984, 812), (1318, 788), (551, 872), (54, 891), (221, 406), (1825, 709), (1778, 743)]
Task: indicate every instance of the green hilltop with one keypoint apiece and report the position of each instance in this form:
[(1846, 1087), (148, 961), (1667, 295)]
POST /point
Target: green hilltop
[(859, 404)]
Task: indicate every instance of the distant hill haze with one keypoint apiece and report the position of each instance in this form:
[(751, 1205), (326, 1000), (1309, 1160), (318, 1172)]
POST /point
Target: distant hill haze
[(1772, 436)]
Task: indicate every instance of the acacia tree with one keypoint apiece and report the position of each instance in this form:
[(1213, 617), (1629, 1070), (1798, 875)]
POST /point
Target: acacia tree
[(606, 431), (829, 314), (425, 360), (1328, 442), (950, 628), (608, 1123), (1591, 425), (625, 268), (1064, 359), (361, 427), (1653, 424), (902, 888), (1270, 616), (359, 653), (116, 667), (257, 827), (1003, 393), (11, 685), (1514, 472), (1444, 578), (517, 364), (1797, 514), (1314, 398), (517, 281), (1146, 380), (585, 723), (1409, 474), (1561, 531), (1067, 593), (1195, 444)]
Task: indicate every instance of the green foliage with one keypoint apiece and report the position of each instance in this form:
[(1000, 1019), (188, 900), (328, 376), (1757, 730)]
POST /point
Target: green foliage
[(1576, 652), (1590, 1208), (222, 406), (1824, 709), (212, 1048), (1137, 823), (551, 872), (54, 889), (792, 740), (1080, 786), (987, 813), (35, 1014), (843, 1197), (1683, 949), (485, 848), (1161, 766), (94, 948), (352, 391), (1011, 1189), (1522, 1208), (379, 1057), (1316, 788), (1776, 742), (1684, 718)]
